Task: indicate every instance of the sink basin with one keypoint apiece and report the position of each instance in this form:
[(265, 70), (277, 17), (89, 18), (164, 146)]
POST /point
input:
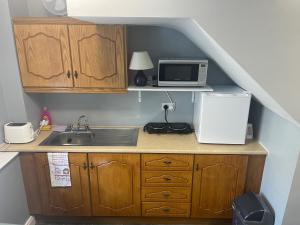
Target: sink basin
[(96, 137)]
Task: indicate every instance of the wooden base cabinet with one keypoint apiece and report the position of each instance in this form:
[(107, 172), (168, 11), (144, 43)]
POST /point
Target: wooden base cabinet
[(67, 201), (102, 185), (166, 185), (115, 184), (142, 185), (218, 179)]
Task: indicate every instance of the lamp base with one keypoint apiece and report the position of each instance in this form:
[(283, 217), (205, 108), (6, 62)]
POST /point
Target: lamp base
[(140, 79)]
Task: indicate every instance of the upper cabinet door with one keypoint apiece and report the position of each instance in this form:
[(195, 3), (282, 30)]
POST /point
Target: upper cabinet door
[(98, 56), (115, 184), (218, 179), (44, 55)]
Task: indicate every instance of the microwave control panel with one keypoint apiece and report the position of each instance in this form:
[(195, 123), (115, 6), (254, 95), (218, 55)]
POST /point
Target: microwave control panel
[(203, 72)]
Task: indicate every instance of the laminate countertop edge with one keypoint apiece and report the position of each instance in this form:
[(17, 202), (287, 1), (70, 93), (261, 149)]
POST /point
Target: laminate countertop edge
[(147, 143)]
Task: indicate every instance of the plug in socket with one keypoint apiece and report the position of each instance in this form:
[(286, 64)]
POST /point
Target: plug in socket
[(171, 106)]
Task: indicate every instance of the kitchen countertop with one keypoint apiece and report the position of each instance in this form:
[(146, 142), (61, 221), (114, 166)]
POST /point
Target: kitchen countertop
[(146, 143)]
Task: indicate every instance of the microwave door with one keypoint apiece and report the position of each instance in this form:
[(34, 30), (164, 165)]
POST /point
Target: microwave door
[(178, 74)]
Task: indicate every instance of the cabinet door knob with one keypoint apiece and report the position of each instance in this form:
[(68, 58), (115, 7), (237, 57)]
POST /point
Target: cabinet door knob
[(167, 162), (167, 178), (68, 74), (92, 166), (85, 166), (166, 210), (166, 194), (76, 74)]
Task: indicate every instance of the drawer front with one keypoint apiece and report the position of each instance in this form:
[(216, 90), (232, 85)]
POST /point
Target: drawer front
[(162, 209), (174, 162), (166, 179), (167, 194)]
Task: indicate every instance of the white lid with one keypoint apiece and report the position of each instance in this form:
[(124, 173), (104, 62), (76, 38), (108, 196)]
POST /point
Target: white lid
[(228, 90)]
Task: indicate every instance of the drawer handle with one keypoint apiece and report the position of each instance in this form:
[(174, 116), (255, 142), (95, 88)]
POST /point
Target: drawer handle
[(166, 194), (68, 74), (166, 210), (167, 179), (168, 162)]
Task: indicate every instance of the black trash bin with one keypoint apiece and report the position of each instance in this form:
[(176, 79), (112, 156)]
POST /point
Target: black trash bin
[(251, 209)]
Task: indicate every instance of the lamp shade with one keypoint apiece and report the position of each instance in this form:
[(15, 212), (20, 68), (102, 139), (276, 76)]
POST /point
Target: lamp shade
[(140, 61)]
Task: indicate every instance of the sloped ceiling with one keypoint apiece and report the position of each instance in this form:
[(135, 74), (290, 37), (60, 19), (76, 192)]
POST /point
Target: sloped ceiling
[(256, 42)]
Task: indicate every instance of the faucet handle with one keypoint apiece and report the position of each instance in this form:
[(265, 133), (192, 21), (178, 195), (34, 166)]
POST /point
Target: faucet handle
[(69, 127), (82, 123)]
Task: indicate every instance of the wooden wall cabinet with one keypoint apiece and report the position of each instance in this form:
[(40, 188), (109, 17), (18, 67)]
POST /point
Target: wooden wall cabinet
[(62, 56)]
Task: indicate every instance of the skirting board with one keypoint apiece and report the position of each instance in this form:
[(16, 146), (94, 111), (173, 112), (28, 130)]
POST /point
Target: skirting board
[(30, 221)]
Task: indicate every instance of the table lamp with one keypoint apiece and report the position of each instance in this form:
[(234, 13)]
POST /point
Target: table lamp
[(140, 61)]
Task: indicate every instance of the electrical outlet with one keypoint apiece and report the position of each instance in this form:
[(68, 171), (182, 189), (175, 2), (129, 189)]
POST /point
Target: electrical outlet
[(171, 106)]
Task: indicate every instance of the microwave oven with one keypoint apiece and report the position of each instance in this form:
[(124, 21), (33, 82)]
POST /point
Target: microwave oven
[(181, 72)]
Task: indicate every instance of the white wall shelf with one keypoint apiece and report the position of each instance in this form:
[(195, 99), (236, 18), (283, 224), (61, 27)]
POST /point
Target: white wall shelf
[(169, 89), (186, 89)]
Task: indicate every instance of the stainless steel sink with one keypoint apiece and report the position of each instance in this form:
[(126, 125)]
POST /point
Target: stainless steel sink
[(94, 137)]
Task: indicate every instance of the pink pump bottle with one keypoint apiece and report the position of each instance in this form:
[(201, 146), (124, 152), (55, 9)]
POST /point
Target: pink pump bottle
[(45, 119)]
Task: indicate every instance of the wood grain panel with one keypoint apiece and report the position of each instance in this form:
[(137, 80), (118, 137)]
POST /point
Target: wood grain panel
[(163, 209), (48, 20), (75, 90), (218, 179), (68, 201), (44, 55), (115, 184), (31, 184), (166, 179), (166, 194), (167, 162), (98, 56), (256, 164)]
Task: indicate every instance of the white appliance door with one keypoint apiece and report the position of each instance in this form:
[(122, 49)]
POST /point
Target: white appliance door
[(224, 118)]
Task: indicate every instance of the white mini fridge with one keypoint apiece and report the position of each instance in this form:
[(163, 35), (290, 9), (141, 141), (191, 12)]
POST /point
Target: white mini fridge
[(221, 116)]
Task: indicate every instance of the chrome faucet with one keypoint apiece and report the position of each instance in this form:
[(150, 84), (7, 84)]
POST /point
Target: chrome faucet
[(81, 126)]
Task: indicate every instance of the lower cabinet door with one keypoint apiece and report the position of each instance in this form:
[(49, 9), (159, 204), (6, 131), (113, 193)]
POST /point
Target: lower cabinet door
[(218, 179), (115, 184), (67, 201)]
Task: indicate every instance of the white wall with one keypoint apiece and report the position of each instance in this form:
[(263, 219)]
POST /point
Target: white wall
[(3, 115), (281, 139), (18, 7), (10, 79), (13, 204), (257, 42), (35, 8), (20, 107), (292, 216)]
